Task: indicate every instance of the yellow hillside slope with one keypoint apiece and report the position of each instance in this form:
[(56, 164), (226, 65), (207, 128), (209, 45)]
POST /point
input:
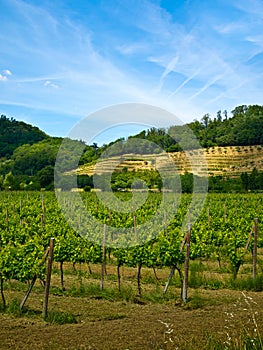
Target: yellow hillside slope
[(227, 161)]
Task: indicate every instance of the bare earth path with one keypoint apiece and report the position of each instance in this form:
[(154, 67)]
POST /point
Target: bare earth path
[(119, 325)]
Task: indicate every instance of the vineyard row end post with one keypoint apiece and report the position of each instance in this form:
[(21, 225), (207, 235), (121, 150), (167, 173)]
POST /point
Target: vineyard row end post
[(255, 248), (186, 265), (48, 278)]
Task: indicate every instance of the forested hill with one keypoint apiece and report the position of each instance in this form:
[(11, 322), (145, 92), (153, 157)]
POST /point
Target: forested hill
[(28, 155), (16, 133), (244, 127)]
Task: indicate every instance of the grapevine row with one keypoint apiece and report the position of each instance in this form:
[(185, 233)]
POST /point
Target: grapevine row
[(29, 220)]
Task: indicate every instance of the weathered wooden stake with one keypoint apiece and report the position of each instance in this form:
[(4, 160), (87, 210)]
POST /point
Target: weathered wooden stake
[(165, 221), (2, 291), (110, 221), (186, 264), (135, 227), (184, 242), (255, 248), (43, 209), (43, 203), (103, 264), (119, 277), (42, 221), (61, 275), (249, 239), (48, 278), (139, 270), (169, 280), (28, 292), (32, 283)]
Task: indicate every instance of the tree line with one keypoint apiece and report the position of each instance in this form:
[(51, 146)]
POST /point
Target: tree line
[(28, 155)]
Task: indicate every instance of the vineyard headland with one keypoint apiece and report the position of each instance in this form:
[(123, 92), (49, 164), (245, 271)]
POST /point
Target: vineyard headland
[(221, 257)]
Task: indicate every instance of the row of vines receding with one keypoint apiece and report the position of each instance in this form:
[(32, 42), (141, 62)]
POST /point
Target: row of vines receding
[(223, 233)]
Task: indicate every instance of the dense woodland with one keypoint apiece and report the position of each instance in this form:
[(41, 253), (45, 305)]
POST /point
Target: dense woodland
[(28, 155), (16, 133)]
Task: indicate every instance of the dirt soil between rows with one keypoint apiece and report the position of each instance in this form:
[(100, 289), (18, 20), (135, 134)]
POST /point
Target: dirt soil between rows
[(106, 325)]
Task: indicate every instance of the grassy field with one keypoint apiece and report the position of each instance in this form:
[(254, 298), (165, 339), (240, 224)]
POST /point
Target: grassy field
[(216, 316)]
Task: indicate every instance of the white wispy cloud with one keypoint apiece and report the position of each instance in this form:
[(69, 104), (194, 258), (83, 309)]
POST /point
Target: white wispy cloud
[(229, 28), (170, 67), (254, 7), (132, 48), (50, 84), (205, 87), (139, 53), (219, 66), (3, 77), (185, 82), (7, 72)]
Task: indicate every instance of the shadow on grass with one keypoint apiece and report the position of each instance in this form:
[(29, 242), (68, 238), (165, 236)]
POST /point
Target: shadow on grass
[(13, 309)]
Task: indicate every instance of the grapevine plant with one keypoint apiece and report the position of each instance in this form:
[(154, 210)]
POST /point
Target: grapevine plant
[(29, 219)]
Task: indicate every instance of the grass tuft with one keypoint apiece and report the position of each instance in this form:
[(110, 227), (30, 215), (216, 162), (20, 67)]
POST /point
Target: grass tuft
[(195, 302), (247, 283), (13, 308), (60, 317), (93, 291)]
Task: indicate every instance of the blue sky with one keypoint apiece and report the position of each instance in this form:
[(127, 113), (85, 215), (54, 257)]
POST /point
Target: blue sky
[(62, 60)]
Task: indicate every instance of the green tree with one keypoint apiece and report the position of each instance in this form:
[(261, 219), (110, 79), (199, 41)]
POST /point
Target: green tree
[(45, 177), (206, 120), (219, 116), (9, 181), (253, 185), (15, 133), (245, 180), (1, 182), (187, 182)]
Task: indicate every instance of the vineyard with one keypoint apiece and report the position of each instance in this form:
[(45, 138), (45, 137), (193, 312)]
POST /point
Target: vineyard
[(226, 161), (221, 247)]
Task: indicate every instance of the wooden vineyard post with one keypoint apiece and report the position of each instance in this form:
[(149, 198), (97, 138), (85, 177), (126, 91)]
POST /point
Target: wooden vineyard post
[(169, 280), (103, 264), (32, 283), (28, 292), (43, 206), (186, 264), (174, 267), (165, 222), (248, 240), (48, 278), (135, 227), (139, 269), (42, 221), (119, 277), (255, 248), (2, 291)]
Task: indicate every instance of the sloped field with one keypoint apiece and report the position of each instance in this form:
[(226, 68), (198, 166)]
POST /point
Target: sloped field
[(228, 161)]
